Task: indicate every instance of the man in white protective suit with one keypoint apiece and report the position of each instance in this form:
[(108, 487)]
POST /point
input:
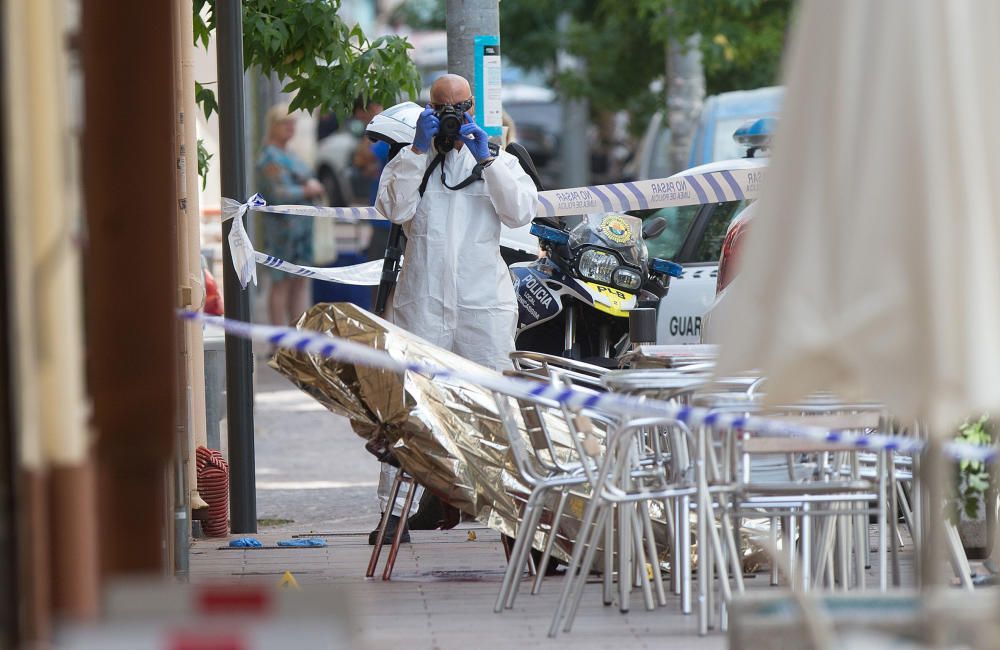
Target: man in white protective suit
[(451, 193)]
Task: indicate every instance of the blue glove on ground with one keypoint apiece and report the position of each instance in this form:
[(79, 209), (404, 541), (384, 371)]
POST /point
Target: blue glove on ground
[(427, 128), (478, 144), (311, 542), (245, 542)]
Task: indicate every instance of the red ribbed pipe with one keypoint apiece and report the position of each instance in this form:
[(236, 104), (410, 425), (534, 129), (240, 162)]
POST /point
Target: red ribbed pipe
[(213, 485)]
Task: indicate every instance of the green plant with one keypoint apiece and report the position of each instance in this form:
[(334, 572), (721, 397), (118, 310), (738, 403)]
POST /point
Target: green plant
[(973, 477), (326, 63), (203, 158)]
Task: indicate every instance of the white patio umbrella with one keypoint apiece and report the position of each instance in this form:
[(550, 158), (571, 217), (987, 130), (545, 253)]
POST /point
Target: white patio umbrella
[(872, 268), (873, 265)]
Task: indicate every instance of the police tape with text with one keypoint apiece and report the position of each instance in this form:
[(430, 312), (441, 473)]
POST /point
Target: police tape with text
[(676, 191), (347, 351)]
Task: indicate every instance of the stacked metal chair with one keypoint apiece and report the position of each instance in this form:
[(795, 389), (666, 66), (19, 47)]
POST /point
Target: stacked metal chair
[(640, 468), (555, 452)]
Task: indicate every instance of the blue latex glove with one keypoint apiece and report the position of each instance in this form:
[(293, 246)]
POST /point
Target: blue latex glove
[(310, 542), (427, 128), (245, 542), (478, 143)]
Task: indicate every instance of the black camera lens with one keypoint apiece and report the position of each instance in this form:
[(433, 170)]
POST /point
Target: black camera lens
[(449, 123)]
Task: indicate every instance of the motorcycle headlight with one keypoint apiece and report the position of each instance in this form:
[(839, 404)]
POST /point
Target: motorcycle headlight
[(626, 279), (597, 265)]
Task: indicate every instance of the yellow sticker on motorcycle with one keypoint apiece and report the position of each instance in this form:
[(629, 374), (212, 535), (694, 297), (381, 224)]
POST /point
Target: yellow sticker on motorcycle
[(610, 300), (617, 229)]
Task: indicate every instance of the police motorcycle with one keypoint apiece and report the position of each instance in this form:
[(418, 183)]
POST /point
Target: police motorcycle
[(576, 301), (594, 291)]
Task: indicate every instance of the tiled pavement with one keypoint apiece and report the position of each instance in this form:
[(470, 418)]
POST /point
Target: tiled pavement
[(441, 595)]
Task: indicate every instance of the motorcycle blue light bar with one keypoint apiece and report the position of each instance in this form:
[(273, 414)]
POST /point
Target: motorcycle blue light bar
[(673, 269), (755, 133), (549, 234)]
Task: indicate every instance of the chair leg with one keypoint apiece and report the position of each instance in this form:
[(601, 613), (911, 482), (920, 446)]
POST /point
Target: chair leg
[(843, 558), (787, 525), (774, 545), (641, 561), (550, 542), (863, 542), (672, 508), (647, 524), (704, 584), (522, 556), (685, 551), (515, 563), (505, 544), (607, 578), (956, 555), (893, 515), (733, 552), (709, 570), (383, 524), (576, 558), (390, 562), (824, 552), (588, 562), (805, 532), (625, 569)]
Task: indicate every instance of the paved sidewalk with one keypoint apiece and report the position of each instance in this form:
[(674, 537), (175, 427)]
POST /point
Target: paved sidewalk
[(312, 469), (441, 595), (314, 477)]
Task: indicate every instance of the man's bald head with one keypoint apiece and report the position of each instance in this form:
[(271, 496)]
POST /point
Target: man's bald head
[(450, 89)]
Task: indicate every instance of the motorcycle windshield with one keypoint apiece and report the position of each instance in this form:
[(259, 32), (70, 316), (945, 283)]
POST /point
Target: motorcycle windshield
[(619, 232)]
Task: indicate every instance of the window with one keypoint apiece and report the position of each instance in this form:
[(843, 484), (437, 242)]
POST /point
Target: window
[(709, 249), (694, 233), (679, 220)]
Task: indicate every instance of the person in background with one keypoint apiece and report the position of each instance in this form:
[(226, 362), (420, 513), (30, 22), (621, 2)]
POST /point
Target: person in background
[(284, 178), (365, 166), (326, 125), (380, 228)]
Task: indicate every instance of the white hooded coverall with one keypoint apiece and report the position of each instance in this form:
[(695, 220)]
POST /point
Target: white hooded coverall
[(454, 289)]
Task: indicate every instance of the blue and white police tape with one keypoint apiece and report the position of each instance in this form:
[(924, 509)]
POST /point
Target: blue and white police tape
[(245, 258), (240, 246), (366, 274), (740, 182), (343, 215), (737, 182), (347, 351)]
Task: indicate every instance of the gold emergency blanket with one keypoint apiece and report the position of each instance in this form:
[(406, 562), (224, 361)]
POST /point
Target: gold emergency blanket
[(445, 433)]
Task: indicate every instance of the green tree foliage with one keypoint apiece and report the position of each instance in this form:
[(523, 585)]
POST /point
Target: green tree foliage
[(742, 40), (420, 14), (324, 61), (622, 43)]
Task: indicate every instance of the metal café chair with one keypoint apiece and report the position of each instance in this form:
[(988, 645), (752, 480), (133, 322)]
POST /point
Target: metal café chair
[(402, 478), (822, 496), (548, 365), (617, 518), (550, 464)]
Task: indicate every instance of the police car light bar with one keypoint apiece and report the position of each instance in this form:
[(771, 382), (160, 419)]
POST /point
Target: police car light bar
[(755, 134)]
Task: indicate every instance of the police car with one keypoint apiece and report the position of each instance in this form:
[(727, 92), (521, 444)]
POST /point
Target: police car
[(695, 237)]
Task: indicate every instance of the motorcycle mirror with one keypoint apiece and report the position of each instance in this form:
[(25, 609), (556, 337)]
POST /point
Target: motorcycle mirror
[(651, 228)]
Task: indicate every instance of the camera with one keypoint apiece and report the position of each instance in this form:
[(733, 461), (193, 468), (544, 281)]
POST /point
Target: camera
[(450, 120)]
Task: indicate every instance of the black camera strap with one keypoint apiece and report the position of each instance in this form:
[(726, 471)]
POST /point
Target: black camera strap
[(475, 175)]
